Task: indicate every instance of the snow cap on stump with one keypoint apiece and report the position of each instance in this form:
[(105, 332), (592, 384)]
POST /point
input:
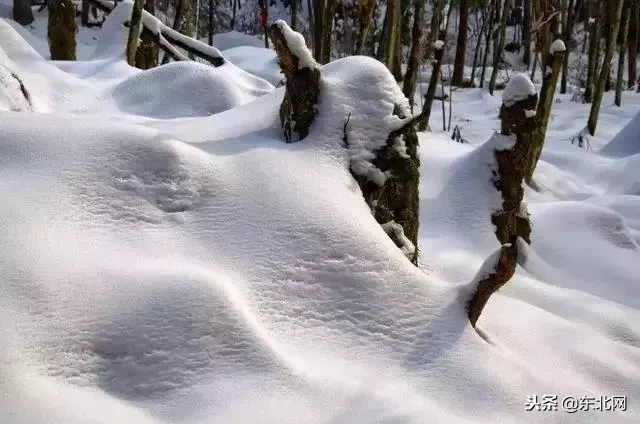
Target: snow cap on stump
[(557, 47), (519, 88), (297, 45)]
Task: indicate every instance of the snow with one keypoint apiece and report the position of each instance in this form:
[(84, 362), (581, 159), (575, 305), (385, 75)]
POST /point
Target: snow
[(167, 258), (257, 61), (233, 39), (518, 88), (438, 44), (297, 45), (557, 46)]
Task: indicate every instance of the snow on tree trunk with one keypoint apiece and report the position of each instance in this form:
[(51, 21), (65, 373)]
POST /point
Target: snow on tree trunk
[(62, 29), (415, 56), (616, 16), (621, 54), (302, 76), (512, 221), (134, 32), (543, 112), (461, 46), (22, 12)]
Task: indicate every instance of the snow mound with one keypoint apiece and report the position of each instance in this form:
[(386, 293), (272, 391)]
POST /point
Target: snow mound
[(183, 89), (14, 95), (626, 142), (229, 40), (257, 61), (518, 88)]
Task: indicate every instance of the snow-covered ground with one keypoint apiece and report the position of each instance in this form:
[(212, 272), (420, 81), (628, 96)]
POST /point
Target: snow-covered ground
[(167, 258)]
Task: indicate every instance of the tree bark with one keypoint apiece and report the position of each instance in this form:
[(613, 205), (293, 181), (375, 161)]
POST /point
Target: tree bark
[(478, 50), (623, 48), (211, 23), (487, 42), (569, 17), (297, 111), (423, 122), (147, 51), (497, 56), (543, 111), (526, 32), (594, 50), (294, 14), (61, 30), (392, 32), (616, 12), (511, 223), (134, 32), (415, 56), (461, 46), (327, 28), (22, 12), (366, 8), (633, 46)]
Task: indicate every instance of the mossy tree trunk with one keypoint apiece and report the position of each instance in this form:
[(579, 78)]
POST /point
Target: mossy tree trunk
[(62, 29), (134, 31), (22, 12), (621, 54), (147, 51), (497, 54), (415, 56), (512, 222), (543, 112), (302, 87), (616, 16), (461, 46)]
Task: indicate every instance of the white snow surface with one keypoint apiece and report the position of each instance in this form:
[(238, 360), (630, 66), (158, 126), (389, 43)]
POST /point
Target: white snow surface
[(518, 88), (438, 44), (557, 46), (180, 263)]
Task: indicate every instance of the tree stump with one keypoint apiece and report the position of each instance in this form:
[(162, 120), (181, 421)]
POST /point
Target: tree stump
[(302, 76)]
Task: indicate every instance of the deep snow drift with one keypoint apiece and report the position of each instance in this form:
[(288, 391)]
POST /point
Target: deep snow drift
[(198, 269)]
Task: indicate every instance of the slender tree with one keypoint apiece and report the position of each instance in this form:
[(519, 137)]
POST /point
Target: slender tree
[(134, 31), (615, 16), (490, 16), (554, 60), (392, 39), (415, 56), (366, 8), (22, 12), (497, 54), (568, 21), (211, 23), (461, 45), (62, 29), (621, 52), (526, 32), (478, 50), (634, 27), (595, 27), (294, 14)]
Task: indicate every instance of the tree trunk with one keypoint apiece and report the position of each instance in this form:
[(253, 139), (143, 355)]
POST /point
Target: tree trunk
[(62, 29), (297, 111), (294, 14), (511, 223), (623, 48), (147, 51), (477, 53), (415, 56), (392, 32), (327, 29), (366, 8), (487, 42), (211, 23), (633, 47), (497, 56), (22, 12), (543, 112), (233, 15), (134, 32), (569, 17), (616, 12), (84, 13), (461, 46), (594, 50)]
